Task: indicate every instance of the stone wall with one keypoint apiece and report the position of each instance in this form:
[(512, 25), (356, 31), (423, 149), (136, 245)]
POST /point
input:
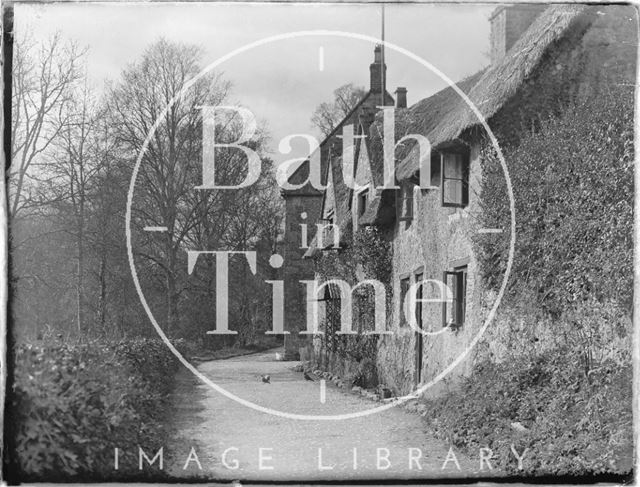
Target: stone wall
[(435, 238), (583, 64), (586, 62)]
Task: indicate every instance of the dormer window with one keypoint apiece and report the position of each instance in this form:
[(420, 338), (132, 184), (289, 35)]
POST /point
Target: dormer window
[(329, 218), (455, 179), (405, 202)]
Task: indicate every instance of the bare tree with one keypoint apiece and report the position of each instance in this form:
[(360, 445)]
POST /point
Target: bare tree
[(172, 157), (43, 80), (244, 219), (70, 175), (328, 115)]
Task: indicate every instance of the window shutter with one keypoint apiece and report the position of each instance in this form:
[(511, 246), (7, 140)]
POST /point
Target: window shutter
[(419, 295), (448, 307), (459, 297), (453, 311), (405, 201), (465, 181), (404, 287), (444, 302), (463, 292)]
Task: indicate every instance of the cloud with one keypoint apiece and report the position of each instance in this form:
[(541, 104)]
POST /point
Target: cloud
[(281, 82)]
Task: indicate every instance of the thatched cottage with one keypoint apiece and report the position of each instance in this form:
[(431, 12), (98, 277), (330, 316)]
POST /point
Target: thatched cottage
[(541, 58)]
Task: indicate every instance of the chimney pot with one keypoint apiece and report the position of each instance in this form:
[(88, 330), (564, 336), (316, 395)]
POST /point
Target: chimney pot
[(401, 97), (377, 54)]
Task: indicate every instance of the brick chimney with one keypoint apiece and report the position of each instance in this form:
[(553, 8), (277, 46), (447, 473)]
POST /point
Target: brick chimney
[(508, 23), (376, 71), (401, 97)]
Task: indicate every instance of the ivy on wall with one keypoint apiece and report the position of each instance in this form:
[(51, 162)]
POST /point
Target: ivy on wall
[(573, 188), (367, 257)]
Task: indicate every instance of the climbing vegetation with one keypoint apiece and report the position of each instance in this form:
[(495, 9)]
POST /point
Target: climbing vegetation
[(367, 257)]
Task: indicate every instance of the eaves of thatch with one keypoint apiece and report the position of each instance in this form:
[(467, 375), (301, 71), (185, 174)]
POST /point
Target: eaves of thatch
[(342, 192), (498, 83), (420, 118), (342, 210)]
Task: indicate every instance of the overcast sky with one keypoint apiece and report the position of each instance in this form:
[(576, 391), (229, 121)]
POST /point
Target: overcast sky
[(281, 82)]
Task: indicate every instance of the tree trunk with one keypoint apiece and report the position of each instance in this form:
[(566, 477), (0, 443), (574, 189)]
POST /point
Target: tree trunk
[(80, 283), (171, 297), (102, 305)]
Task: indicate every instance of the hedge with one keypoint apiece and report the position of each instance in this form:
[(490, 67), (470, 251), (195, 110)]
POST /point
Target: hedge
[(72, 404)]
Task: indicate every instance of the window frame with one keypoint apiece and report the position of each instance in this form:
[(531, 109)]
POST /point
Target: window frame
[(360, 209), (403, 296), (405, 194), (329, 217), (418, 276), (465, 170), (436, 169), (459, 297)]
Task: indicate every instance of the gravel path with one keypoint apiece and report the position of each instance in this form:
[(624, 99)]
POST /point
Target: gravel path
[(212, 423)]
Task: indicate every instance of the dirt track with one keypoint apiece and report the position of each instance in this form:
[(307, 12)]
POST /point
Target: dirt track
[(213, 423)]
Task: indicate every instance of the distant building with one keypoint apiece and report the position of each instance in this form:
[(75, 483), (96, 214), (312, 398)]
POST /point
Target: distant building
[(302, 206)]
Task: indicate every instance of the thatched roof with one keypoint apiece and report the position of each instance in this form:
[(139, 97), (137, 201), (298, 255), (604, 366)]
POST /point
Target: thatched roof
[(498, 83), (302, 172), (342, 211), (444, 116)]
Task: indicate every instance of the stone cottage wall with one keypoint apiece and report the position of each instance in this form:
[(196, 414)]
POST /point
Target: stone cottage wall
[(434, 239), (586, 62)]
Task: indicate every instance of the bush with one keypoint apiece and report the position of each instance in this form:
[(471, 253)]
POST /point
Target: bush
[(576, 424), (73, 404), (573, 187), (572, 181), (368, 256)]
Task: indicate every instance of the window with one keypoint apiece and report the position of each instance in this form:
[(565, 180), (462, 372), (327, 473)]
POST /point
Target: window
[(419, 348), (405, 202), (419, 295), (435, 169), (455, 179), (404, 288), (363, 198), (453, 313), (328, 236), (329, 218)]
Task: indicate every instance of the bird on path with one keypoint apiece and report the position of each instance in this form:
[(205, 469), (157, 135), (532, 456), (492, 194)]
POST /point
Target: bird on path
[(266, 379), (307, 376)]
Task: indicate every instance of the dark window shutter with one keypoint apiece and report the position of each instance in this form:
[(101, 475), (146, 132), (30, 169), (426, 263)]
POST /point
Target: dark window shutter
[(442, 198), (465, 181), (444, 302), (459, 297)]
